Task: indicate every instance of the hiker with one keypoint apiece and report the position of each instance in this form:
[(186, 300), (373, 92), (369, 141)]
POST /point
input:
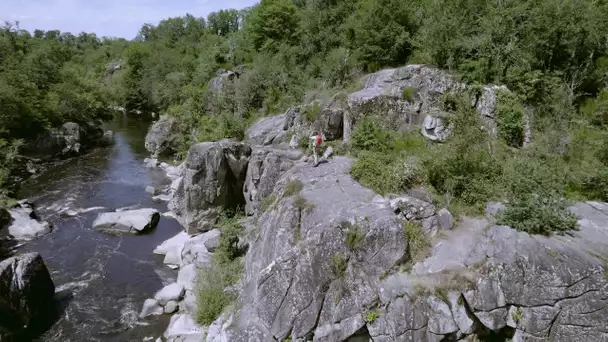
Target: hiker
[(316, 140)]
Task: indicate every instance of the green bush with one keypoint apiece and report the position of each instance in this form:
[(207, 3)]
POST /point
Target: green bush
[(510, 118), (416, 241), (293, 187), (537, 214), (369, 136), (210, 294), (408, 94), (372, 316), (354, 236), (225, 270), (268, 201), (339, 263), (386, 173)]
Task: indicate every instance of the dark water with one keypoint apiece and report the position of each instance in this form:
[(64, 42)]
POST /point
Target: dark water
[(102, 280)]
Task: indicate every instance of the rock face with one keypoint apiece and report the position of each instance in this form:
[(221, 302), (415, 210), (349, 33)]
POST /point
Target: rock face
[(213, 179), (265, 169), (24, 224), (159, 137), (132, 221), (26, 296), (71, 139), (324, 265), (403, 98), (302, 275)]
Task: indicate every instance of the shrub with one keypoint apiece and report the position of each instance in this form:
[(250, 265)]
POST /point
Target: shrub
[(293, 187), (510, 118), (537, 214), (300, 203), (371, 316), (369, 136), (339, 263), (408, 94), (268, 201), (311, 112), (354, 236), (417, 242), (211, 298)]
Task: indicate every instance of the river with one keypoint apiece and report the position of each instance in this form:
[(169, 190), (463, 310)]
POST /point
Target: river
[(102, 280)]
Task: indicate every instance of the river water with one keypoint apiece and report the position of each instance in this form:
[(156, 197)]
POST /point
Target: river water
[(102, 280)]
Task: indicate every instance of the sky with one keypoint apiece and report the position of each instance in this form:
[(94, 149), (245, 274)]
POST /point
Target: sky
[(111, 18)]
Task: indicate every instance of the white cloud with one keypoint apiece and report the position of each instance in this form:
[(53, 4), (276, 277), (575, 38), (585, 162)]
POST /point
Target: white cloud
[(116, 18)]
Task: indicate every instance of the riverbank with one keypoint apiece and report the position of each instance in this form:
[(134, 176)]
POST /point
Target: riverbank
[(101, 279)]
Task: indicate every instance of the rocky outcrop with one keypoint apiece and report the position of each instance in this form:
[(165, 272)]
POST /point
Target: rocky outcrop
[(404, 98), (159, 140), (213, 179), (132, 221), (24, 224), (26, 296), (318, 257), (71, 139), (332, 263)]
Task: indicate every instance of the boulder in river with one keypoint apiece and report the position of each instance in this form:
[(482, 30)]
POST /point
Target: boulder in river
[(171, 292), (26, 296), (213, 178), (70, 139), (132, 221), (159, 137), (182, 328), (5, 218), (24, 224)]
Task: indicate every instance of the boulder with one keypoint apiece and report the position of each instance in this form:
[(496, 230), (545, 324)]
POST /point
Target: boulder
[(172, 292), (70, 139), (177, 241), (130, 221), (151, 190), (267, 131), (182, 328), (213, 178), (26, 296), (383, 95), (187, 276), (412, 208), (151, 308), (493, 209), (5, 218), (445, 219), (171, 307), (24, 224), (213, 243), (195, 252), (159, 140)]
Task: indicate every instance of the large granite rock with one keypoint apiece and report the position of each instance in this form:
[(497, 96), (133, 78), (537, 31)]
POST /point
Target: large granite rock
[(213, 179), (308, 276), (159, 138), (182, 328), (26, 296), (302, 275), (383, 95), (24, 224), (265, 169), (70, 139), (131, 221)]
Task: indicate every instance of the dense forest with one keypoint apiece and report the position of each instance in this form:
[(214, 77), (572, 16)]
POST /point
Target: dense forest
[(552, 54)]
